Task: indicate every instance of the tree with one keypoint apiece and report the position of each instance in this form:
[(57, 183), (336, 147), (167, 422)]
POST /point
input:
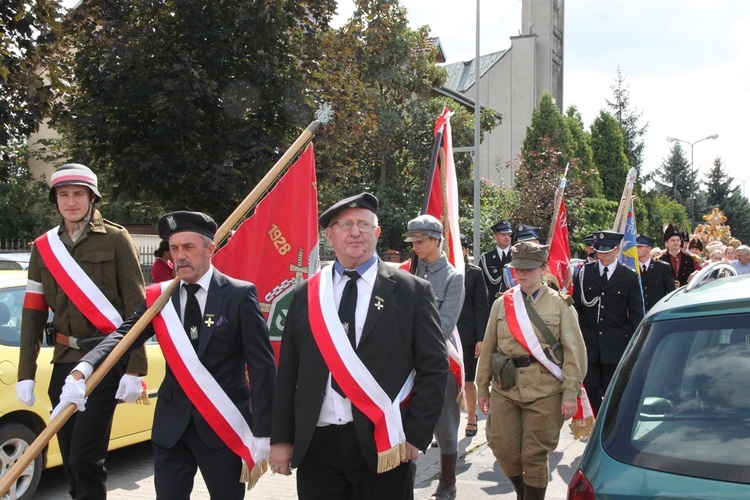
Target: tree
[(378, 74), (720, 194), (633, 133), (607, 144), (662, 209), (31, 71), (583, 167), (189, 103), (676, 179)]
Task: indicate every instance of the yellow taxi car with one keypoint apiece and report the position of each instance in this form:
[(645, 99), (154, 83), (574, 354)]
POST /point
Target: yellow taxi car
[(20, 424)]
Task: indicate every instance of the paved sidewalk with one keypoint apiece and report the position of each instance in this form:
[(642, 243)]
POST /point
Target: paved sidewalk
[(478, 475)]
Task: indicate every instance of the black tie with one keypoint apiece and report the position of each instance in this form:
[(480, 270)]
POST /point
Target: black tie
[(192, 317), (347, 308), (643, 268), (604, 275)]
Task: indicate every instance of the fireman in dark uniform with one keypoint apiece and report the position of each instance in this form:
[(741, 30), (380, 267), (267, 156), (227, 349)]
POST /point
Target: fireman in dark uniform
[(493, 262)]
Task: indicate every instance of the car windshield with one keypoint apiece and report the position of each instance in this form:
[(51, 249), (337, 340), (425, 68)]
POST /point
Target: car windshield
[(681, 402), (11, 305)]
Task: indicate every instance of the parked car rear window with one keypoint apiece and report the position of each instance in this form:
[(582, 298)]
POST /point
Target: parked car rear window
[(11, 305), (681, 403)]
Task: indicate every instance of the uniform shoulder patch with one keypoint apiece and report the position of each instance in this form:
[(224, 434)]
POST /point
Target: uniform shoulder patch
[(567, 298)]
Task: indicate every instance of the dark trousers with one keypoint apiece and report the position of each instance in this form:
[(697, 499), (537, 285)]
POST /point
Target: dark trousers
[(335, 469), (175, 468), (84, 438), (598, 377)]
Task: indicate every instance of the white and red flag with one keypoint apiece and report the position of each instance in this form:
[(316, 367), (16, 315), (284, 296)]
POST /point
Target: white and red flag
[(277, 246), (441, 201)]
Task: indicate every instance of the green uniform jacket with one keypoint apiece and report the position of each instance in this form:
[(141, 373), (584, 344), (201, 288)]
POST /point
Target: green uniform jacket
[(108, 255), (534, 382)]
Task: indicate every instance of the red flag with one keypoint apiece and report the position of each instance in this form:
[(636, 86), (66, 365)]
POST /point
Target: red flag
[(442, 195), (559, 252), (277, 246)]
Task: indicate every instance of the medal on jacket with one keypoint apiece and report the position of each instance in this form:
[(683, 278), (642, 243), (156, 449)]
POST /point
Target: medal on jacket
[(193, 333)]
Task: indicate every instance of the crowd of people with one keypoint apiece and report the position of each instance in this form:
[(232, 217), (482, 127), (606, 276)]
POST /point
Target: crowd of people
[(365, 378)]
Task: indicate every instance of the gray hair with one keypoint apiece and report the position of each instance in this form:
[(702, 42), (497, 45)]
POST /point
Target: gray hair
[(744, 249)]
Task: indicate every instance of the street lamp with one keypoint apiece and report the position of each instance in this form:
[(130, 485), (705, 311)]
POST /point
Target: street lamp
[(744, 192), (692, 172)]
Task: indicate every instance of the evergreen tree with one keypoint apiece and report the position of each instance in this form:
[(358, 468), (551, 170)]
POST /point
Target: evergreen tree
[(676, 179), (628, 119), (607, 146), (729, 199), (718, 186), (583, 166)]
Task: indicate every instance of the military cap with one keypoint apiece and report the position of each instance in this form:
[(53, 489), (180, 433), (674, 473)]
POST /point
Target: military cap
[(606, 241), (502, 227), (73, 174), (524, 233), (361, 200), (464, 241), (644, 241), (671, 230), (528, 255), (424, 226), (182, 221), (588, 240)]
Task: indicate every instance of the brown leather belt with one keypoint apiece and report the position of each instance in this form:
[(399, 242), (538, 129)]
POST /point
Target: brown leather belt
[(63, 339), (523, 361)]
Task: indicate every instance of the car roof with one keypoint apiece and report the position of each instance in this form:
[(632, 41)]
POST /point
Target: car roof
[(12, 278), (721, 296)]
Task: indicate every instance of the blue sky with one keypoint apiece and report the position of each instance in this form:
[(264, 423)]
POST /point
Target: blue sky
[(687, 63)]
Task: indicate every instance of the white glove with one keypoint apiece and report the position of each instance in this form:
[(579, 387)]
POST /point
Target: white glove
[(25, 391), (74, 391), (130, 389), (260, 448)]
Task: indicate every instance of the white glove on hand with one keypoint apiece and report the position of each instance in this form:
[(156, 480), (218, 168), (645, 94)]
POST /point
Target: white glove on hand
[(74, 391), (130, 389), (260, 448), (25, 391)]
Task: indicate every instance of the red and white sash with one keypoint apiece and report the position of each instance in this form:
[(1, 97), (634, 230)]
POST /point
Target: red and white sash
[(520, 327), (519, 324), (200, 386), (76, 284), (353, 376)]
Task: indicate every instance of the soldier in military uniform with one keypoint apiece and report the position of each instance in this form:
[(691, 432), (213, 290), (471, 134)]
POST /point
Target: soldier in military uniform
[(84, 269), (524, 423), (608, 300), (493, 262), (657, 279), (524, 232), (683, 264)]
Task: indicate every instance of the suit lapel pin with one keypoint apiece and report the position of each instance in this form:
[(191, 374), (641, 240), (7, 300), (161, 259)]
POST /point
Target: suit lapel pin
[(379, 303), (193, 333), (209, 320)]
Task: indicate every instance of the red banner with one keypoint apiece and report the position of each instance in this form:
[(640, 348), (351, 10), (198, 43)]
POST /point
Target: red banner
[(277, 246), (559, 252)]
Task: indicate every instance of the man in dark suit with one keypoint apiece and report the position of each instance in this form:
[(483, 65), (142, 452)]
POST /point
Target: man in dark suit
[(330, 368), (683, 264), (657, 279), (607, 297), (493, 262), (471, 325), (228, 335)]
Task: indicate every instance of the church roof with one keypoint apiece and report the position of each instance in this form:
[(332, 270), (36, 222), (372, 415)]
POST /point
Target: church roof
[(461, 74)]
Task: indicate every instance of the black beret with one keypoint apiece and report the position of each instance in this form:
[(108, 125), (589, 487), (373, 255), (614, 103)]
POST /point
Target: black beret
[(178, 222), (362, 200)]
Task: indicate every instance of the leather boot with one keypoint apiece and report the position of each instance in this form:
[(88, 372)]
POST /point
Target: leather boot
[(517, 482), (532, 493), (446, 489)]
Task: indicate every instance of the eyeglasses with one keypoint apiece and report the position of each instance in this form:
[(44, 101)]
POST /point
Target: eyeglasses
[(347, 225)]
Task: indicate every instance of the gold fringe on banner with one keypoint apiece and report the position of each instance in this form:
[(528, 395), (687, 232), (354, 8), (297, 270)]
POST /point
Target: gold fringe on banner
[(461, 400), (251, 477), (582, 428), (390, 459)]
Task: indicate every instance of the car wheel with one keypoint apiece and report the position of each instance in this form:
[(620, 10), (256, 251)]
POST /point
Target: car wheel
[(14, 440)]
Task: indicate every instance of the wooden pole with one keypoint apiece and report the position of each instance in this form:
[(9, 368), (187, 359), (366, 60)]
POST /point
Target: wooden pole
[(556, 210), (10, 477)]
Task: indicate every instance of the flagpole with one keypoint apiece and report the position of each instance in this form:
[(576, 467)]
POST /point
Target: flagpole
[(322, 116), (558, 201), (622, 210)]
